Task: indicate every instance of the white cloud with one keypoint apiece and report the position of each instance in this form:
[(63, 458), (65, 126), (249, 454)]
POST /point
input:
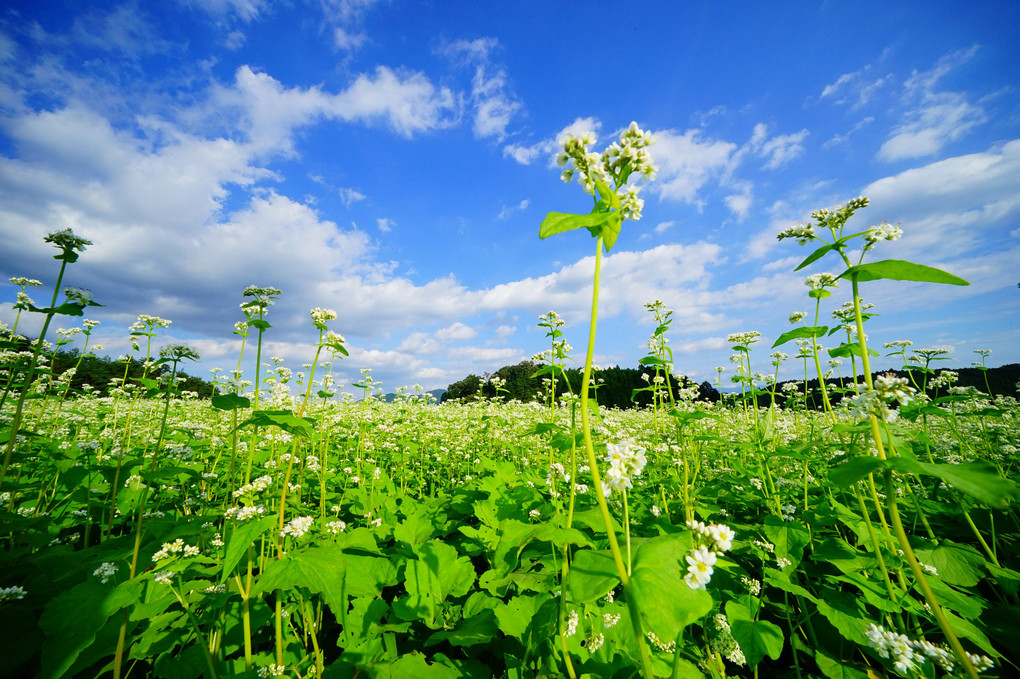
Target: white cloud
[(740, 203), (385, 224), (350, 195), (508, 210), (686, 162), (856, 89), (777, 151), (934, 118), (948, 206), (122, 28), (345, 11), (348, 41), (661, 227), (408, 101), (457, 331), (246, 10), (525, 155), (838, 139), (492, 98)]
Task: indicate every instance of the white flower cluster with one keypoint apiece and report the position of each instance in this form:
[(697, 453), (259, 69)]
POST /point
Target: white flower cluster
[(888, 388), (173, 548), (715, 539), (724, 644), (15, 593), (272, 670), (753, 586), (665, 647), (883, 231), (892, 388), (320, 316), (908, 654), (336, 527), (571, 624), (297, 527), (106, 570), (817, 281), (619, 161), (626, 460), (802, 232), (244, 513), (744, 338), (255, 487)]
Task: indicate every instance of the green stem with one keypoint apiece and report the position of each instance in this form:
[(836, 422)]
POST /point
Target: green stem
[(614, 546)]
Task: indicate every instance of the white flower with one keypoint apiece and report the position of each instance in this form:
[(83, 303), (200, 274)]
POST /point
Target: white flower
[(571, 624), (700, 569), (297, 527), (15, 593), (723, 536)]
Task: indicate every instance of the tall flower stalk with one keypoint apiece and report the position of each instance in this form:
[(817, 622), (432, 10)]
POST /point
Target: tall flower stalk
[(832, 223), (69, 245), (604, 177)]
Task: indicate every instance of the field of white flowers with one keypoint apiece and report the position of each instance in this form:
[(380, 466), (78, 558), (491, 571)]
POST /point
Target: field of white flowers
[(270, 532)]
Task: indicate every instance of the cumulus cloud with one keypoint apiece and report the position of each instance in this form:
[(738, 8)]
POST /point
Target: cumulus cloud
[(686, 163), (947, 207), (934, 117)]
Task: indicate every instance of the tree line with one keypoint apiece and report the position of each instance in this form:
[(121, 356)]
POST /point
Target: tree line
[(623, 388)]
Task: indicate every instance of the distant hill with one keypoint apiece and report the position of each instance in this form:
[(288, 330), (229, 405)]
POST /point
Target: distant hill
[(437, 393)]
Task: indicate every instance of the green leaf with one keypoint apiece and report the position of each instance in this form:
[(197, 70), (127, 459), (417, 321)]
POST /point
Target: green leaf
[(959, 565), (368, 575), (245, 533), (900, 270), (607, 197), (816, 255), (799, 333), (756, 637), (853, 470), (229, 402), (592, 575), (72, 619), (666, 602), (439, 572), (834, 668), (609, 230), (186, 664), (515, 616), (846, 350), (474, 630), (979, 479), (412, 666), (966, 630), (559, 222), (320, 570), (789, 537), (844, 611), (284, 419)]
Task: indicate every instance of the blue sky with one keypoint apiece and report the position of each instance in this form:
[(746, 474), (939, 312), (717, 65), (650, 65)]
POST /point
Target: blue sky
[(393, 161)]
